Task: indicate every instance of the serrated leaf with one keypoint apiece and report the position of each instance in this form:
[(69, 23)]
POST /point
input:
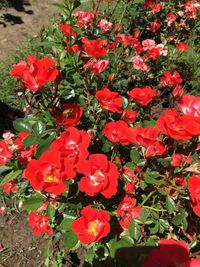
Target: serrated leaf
[(21, 125), (39, 127), (135, 156), (144, 214), (70, 240), (154, 229), (10, 176), (171, 207), (33, 204), (134, 229), (177, 220)]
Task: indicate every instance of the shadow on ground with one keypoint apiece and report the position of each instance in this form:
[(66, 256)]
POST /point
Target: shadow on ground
[(9, 18)]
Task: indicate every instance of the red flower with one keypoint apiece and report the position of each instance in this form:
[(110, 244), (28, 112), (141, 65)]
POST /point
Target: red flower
[(70, 115), (68, 31), (130, 116), (177, 127), (194, 189), (195, 262), (143, 95), (170, 79), (108, 100), (128, 210), (99, 66), (183, 47), (47, 173), (5, 153), (155, 149), (94, 48), (92, 226), (118, 132), (39, 72), (84, 18), (101, 176), (153, 53), (144, 136), (9, 187), (154, 26), (73, 147), (170, 253), (179, 159), (190, 105), (39, 223)]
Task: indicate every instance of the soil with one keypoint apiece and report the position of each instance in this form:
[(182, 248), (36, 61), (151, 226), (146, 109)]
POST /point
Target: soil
[(24, 17)]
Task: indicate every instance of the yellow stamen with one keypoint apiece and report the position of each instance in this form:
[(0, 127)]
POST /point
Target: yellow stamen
[(92, 227)]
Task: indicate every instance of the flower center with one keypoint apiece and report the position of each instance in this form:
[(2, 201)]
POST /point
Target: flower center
[(68, 114), (51, 178), (92, 227), (97, 178)]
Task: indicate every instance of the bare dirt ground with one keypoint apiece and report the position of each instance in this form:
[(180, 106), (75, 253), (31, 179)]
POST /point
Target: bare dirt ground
[(24, 17)]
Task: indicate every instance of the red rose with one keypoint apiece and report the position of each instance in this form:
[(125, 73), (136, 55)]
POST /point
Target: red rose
[(143, 95), (10, 187), (92, 226), (118, 132), (170, 253), (39, 223), (155, 149), (5, 153), (130, 116), (183, 47), (179, 159), (128, 210), (154, 26), (39, 72), (99, 66), (68, 31), (177, 127), (100, 176), (47, 173), (70, 115), (194, 189), (144, 136), (170, 79), (190, 105), (153, 53), (94, 48), (108, 100), (73, 147)]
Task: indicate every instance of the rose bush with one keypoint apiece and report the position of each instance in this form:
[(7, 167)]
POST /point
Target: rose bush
[(106, 157)]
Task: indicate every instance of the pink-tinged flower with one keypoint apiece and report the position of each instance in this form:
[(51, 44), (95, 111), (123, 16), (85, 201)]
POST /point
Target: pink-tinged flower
[(92, 226), (155, 149), (99, 66), (100, 176), (109, 100), (105, 25), (170, 19), (84, 18), (69, 116), (2, 210), (170, 79), (39, 223), (178, 160), (8, 138), (162, 50), (67, 30), (191, 8), (182, 47), (128, 210), (178, 91), (148, 44), (176, 126), (154, 6), (10, 187), (195, 262), (190, 105), (73, 147), (130, 116), (37, 73), (6, 153), (170, 253), (139, 63), (118, 132), (143, 95), (154, 26), (194, 189)]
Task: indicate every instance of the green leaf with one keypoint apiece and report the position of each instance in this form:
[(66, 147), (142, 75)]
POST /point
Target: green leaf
[(177, 220), (144, 214), (39, 127), (42, 148), (154, 229), (134, 229), (66, 224), (21, 125), (70, 240), (106, 146), (50, 211), (171, 207), (89, 256), (135, 156), (33, 204), (4, 168), (30, 140), (10, 176), (150, 180)]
